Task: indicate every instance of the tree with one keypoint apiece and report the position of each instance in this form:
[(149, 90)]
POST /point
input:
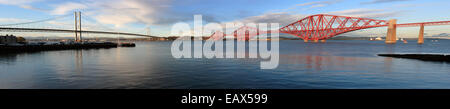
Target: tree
[(21, 40)]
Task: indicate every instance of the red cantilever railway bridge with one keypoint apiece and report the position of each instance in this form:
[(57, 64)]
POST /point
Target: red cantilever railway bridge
[(322, 26)]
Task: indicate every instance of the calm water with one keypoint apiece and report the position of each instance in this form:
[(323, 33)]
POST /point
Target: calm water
[(335, 64)]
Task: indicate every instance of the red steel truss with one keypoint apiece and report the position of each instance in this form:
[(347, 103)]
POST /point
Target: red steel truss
[(321, 26), (424, 23)]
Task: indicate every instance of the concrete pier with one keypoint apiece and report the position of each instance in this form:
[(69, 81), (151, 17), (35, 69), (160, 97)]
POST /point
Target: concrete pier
[(323, 41), (420, 40), (391, 37), (34, 48)]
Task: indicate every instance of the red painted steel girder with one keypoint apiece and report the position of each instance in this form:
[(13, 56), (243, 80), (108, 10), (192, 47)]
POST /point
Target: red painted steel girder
[(315, 27), (218, 35), (245, 32), (322, 26), (242, 33), (424, 23)]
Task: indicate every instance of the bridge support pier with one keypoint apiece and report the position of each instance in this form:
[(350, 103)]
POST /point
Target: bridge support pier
[(391, 37), (323, 41), (420, 40), (315, 41), (78, 37), (305, 40)]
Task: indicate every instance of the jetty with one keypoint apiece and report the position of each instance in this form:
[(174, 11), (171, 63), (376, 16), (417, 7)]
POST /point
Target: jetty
[(10, 43), (424, 57)]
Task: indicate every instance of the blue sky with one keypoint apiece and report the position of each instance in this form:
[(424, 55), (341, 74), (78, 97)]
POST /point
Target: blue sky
[(159, 15)]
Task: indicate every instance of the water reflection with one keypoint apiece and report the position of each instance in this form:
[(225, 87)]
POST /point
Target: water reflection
[(387, 64), (335, 64), (8, 58), (79, 61), (319, 63)]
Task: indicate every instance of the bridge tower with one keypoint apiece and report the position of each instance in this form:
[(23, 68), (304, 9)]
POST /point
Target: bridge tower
[(420, 40), (78, 37), (75, 14), (391, 37)]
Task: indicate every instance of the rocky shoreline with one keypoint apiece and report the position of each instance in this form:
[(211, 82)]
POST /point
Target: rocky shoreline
[(424, 57)]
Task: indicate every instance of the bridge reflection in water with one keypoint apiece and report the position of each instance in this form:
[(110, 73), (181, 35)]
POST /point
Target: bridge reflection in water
[(319, 63)]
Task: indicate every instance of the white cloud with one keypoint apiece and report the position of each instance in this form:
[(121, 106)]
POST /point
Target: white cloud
[(22, 3), (307, 6), (319, 3), (129, 11), (283, 18), (115, 19), (32, 8), (368, 13), (382, 1), (11, 20), (17, 2), (67, 7), (356, 11), (122, 12)]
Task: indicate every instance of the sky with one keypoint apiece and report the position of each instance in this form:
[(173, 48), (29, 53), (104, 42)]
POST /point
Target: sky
[(158, 16)]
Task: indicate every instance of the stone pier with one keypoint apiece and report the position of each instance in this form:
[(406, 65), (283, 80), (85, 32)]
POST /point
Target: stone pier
[(391, 37), (420, 40)]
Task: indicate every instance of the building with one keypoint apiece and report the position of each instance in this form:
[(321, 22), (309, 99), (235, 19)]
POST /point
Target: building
[(8, 39)]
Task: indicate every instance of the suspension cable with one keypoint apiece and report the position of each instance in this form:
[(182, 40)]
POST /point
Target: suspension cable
[(38, 21), (89, 18)]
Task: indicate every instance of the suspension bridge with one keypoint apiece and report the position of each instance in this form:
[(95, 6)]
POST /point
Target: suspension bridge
[(25, 27), (322, 27)]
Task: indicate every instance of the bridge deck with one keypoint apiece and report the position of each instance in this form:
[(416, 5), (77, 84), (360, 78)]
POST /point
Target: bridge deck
[(68, 31)]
